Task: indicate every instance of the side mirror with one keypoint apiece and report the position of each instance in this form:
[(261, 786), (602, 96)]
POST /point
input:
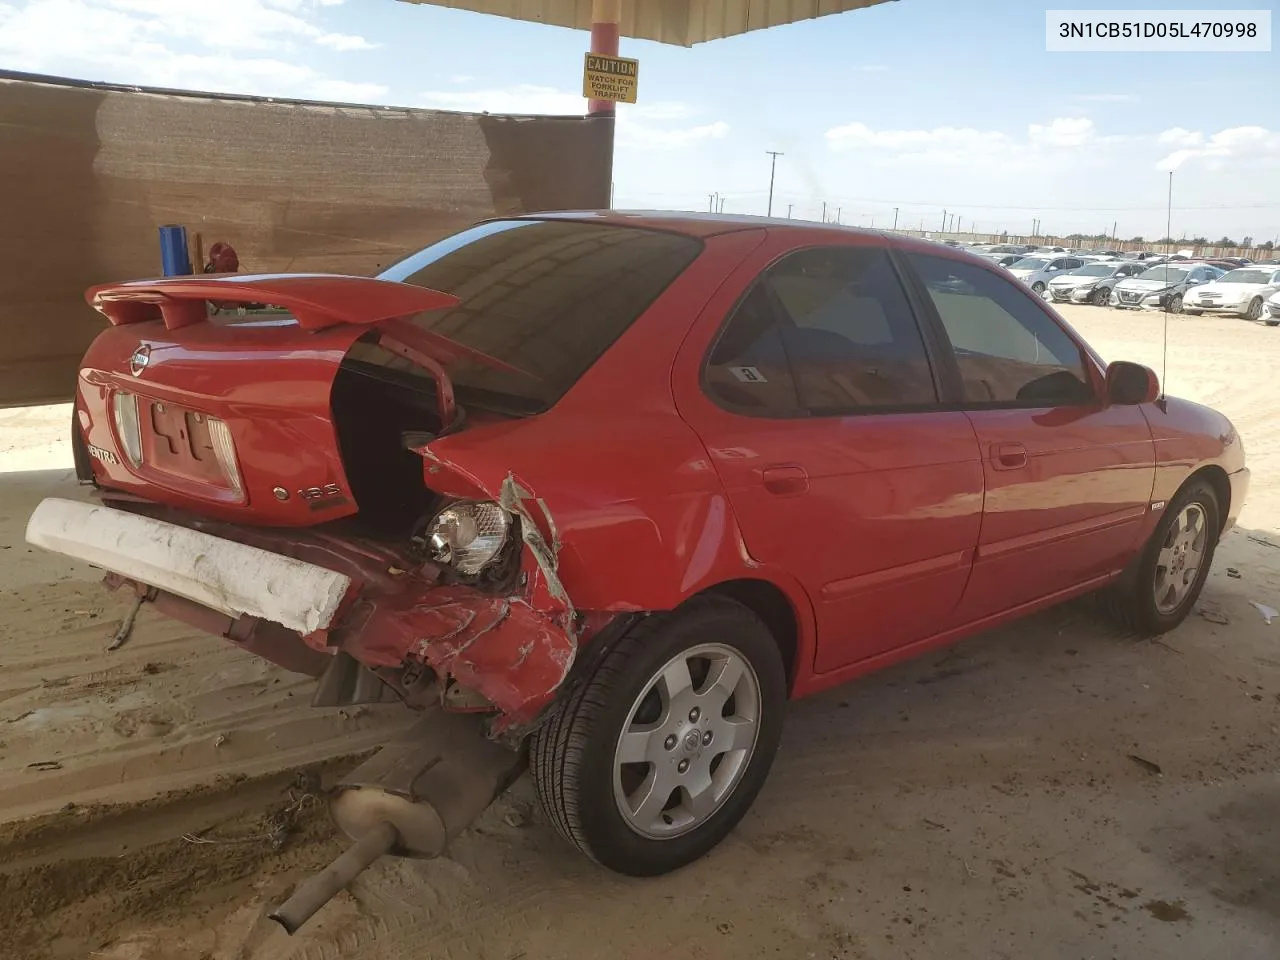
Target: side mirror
[(1131, 383)]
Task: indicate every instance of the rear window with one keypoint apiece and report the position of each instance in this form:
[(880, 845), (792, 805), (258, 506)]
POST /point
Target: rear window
[(547, 297)]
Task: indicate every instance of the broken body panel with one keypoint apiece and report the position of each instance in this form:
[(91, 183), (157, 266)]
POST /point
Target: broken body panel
[(651, 528)]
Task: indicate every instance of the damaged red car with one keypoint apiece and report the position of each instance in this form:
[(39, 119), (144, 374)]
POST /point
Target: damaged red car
[(597, 493)]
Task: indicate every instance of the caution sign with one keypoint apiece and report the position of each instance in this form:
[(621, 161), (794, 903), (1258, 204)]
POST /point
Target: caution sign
[(610, 78)]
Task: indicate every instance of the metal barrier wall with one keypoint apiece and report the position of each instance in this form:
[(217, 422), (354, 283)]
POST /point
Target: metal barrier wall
[(91, 171)]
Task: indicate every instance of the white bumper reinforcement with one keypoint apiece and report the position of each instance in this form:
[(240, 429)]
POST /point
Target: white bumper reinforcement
[(227, 576)]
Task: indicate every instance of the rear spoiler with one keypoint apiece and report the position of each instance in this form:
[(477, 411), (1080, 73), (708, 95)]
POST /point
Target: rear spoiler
[(316, 300)]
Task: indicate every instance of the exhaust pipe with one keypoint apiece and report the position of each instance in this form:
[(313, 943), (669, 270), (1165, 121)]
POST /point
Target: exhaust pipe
[(317, 890), (408, 800)]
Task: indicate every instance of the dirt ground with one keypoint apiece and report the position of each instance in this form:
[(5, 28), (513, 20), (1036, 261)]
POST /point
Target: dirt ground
[(1050, 790)]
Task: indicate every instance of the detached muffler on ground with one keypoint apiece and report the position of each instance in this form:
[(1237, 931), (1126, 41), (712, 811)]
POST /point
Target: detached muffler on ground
[(408, 800)]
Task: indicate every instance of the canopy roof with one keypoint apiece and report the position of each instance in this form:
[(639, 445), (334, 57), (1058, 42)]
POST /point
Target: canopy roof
[(680, 22)]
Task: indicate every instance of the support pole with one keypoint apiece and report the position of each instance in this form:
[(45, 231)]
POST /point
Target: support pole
[(605, 17)]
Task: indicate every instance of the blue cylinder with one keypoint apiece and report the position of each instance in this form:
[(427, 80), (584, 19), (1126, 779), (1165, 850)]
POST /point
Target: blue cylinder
[(175, 261)]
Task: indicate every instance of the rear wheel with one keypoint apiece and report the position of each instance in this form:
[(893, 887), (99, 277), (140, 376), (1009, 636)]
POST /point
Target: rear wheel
[(660, 752), (1170, 574), (1255, 309), (1192, 313)]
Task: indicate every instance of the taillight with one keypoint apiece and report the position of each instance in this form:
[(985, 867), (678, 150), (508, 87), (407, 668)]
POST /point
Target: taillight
[(124, 408), (224, 449)]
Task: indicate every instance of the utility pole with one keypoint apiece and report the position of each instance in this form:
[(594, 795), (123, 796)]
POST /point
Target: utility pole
[(895, 218), (958, 219), (789, 206), (824, 211), (721, 210), (943, 228), (711, 203), (773, 168), (839, 210)]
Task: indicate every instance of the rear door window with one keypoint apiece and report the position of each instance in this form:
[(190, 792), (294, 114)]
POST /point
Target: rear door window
[(823, 332)]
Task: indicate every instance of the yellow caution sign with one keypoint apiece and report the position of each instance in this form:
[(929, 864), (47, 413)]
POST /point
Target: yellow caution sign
[(610, 78)]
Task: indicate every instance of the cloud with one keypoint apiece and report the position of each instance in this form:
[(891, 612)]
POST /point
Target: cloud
[(461, 78), (1245, 145), (1181, 137), (232, 46), (1062, 132), (990, 150), (642, 126)]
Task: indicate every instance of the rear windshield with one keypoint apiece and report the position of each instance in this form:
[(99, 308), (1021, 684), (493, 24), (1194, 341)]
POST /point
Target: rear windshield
[(546, 297)]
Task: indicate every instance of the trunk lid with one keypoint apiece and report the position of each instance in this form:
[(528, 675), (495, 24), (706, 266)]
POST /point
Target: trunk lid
[(199, 398)]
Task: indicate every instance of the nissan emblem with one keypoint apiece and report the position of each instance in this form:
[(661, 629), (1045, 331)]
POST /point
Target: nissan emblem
[(138, 362)]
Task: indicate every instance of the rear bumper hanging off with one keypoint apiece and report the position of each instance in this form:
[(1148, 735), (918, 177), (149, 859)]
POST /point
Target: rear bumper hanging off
[(232, 578), (512, 652)]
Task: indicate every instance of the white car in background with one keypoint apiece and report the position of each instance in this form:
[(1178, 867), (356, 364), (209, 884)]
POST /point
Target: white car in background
[(1037, 271), (1271, 311), (1241, 292), (1093, 282)]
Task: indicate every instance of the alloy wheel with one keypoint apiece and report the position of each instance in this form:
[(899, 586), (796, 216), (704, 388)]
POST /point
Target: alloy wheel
[(1180, 558), (687, 741)]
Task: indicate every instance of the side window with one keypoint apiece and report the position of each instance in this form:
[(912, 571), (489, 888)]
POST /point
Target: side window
[(823, 331), (1009, 351)]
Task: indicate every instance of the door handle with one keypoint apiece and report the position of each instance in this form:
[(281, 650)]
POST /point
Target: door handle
[(785, 480), (1008, 456)]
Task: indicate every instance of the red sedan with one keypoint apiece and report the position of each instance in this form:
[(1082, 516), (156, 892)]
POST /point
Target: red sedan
[(605, 490)]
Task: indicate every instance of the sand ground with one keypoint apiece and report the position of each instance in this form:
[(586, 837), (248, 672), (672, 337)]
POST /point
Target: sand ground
[(981, 802)]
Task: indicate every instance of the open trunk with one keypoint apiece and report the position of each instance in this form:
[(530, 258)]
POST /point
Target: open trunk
[(262, 417)]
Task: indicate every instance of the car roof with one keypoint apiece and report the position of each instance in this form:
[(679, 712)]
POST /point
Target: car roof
[(693, 224), (704, 225)]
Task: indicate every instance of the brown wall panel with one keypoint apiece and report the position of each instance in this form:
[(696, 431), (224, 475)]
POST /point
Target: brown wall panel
[(91, 171)]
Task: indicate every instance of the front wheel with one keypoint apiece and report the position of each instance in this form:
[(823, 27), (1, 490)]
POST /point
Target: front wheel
[(1040, 290), (1255, 309), (655, 758), (1162, 589), (1175, 303), (1100, 297)]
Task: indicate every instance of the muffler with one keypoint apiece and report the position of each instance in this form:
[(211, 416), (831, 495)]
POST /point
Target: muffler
[(408, 800)]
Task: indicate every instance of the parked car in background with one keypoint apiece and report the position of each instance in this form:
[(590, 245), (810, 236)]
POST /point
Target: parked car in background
[(614, 487), (1162, 287), (1093, 282), (1037, 271), (1220, 263), (1144, 255), (1241, 292), (1271, 311)]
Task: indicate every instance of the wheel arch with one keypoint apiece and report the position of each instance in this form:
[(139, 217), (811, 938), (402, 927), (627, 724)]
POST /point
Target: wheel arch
[(775, 609), (1217, 479)]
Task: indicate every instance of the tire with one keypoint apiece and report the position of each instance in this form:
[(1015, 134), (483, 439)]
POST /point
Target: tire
[(1136, 600), (1175, 303), (1255, 309), (1192, 313), (1272, 323), (1038, 289), (1100, 297), (574, 755)]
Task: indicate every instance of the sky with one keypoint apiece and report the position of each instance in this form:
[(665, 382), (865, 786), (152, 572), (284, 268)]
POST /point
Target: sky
[(914, 106)]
